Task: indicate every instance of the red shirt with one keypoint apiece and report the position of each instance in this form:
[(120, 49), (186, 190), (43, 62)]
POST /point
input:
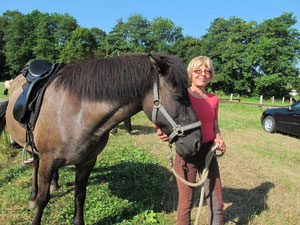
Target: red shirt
[(207, 112)]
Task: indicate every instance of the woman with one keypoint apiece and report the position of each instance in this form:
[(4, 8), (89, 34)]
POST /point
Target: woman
[(205, 105)]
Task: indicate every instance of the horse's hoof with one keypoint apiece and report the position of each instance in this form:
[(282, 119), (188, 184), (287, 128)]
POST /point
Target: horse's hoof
[(31, 204)]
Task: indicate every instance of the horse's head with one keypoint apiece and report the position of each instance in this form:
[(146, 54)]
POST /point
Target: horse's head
[(169, 106)]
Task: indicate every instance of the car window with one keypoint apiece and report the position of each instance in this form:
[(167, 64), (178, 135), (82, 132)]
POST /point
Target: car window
[(297, 106)]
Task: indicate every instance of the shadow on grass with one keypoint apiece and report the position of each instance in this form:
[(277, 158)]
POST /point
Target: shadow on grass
[(246, 204), (146, 186), (138, 129)]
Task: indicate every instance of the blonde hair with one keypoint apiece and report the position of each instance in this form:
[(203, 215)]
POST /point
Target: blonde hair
[(196, 62)]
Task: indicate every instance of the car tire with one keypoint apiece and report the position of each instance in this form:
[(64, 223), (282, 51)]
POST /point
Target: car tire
[(269, 124)]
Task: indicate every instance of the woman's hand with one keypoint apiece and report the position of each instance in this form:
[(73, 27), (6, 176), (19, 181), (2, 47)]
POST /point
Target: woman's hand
[(222, 146), (161, 134)]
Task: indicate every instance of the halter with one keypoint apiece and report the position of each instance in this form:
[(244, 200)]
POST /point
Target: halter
[(178, 130)]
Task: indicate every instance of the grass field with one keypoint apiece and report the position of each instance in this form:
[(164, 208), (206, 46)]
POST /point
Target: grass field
[(132, 182)]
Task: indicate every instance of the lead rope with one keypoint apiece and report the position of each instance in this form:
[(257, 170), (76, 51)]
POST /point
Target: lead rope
[(204, 174)]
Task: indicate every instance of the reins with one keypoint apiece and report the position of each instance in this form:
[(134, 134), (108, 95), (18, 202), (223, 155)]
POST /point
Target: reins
[(204, 174)]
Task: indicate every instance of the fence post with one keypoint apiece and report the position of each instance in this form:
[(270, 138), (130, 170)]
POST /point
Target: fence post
[(291, 100), (231, 97), (261, 100), (282, 100), (272, 99)]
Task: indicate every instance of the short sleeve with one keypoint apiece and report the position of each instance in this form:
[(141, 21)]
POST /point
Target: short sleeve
[(216, 107)]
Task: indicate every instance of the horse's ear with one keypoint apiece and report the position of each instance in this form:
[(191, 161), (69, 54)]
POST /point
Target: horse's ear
[(158, 63)]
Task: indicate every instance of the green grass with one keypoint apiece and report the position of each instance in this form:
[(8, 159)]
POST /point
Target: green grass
[(132, 183), (239, 116), (124, 188), (2, 97)]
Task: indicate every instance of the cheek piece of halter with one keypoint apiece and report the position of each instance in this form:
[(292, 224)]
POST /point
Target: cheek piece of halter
[(178, 130)]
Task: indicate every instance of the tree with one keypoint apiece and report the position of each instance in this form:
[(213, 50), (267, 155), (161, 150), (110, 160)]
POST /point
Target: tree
[(244, 51), (100, 37), (272, 85), (82, 45), (3, 69), (137, 32), (19, 39), (164, 35), (46, 46), (226, 43), (187, 48), (116, 41), (64, 26)]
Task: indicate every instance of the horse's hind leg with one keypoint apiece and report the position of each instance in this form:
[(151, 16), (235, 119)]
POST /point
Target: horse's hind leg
[(82, 175), (34, 188), (54, 182), (46, 172)]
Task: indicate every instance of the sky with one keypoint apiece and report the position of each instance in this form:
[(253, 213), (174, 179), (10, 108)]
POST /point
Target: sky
[(194, 16)]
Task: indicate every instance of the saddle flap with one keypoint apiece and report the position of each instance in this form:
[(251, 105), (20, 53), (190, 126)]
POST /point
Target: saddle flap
[(20, 106)]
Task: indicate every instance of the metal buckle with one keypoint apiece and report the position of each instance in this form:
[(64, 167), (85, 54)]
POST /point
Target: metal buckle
[(178, 130), (157, 103)]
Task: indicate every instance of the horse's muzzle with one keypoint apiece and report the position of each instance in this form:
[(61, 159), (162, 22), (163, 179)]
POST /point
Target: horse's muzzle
[(187, 149)]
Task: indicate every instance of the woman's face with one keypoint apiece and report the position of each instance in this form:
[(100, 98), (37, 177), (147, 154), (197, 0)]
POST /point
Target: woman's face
[(201, 76)]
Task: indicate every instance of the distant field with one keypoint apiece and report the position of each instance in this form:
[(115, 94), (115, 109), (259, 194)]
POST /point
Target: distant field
[(132, 182)]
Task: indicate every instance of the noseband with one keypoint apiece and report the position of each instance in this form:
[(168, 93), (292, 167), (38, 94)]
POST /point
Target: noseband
[(178, 130)]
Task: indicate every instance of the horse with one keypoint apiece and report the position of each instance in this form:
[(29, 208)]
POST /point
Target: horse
[(85, 100), (7, 84)]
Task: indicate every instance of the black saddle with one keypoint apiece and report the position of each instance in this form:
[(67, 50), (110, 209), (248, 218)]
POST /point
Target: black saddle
[(37, 69), (37, 74)]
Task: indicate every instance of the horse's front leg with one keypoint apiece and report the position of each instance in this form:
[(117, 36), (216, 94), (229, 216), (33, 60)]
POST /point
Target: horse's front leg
[(82, 175), (34, 185)]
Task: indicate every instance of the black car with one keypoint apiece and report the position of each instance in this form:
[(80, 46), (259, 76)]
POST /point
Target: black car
[(286, 120)]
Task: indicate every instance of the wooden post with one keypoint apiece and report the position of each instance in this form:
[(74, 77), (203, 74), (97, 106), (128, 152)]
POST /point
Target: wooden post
[(261, 100), (231, 97), (291, 100), (282, 100), (272, 99)]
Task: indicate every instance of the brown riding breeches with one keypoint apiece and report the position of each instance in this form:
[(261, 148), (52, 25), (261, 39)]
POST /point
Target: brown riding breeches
[(188, 169)]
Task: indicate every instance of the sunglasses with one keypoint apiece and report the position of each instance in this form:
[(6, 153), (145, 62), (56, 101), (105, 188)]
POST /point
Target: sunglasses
[(202, 71)]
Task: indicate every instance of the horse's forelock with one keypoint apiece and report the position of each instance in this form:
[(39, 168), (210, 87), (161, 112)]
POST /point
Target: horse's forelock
[(177, 73)]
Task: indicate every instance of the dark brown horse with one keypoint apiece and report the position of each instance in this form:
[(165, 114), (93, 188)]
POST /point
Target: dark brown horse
[(84, 101)]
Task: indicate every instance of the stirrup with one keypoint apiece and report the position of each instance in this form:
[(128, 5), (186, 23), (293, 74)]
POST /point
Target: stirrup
[(25, 160)]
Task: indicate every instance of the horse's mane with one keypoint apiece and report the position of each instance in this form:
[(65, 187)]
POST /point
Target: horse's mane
[(121, 78)]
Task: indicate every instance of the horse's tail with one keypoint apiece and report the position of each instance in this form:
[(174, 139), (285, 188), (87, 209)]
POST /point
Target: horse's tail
[(3, 107)]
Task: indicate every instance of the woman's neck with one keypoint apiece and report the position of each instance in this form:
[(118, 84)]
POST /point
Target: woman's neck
[(198, 92)]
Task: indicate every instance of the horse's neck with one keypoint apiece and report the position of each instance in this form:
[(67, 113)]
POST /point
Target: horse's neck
[(118, 114)]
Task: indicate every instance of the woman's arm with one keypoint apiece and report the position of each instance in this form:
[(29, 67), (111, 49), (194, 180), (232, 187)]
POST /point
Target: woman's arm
[(218, 137)]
